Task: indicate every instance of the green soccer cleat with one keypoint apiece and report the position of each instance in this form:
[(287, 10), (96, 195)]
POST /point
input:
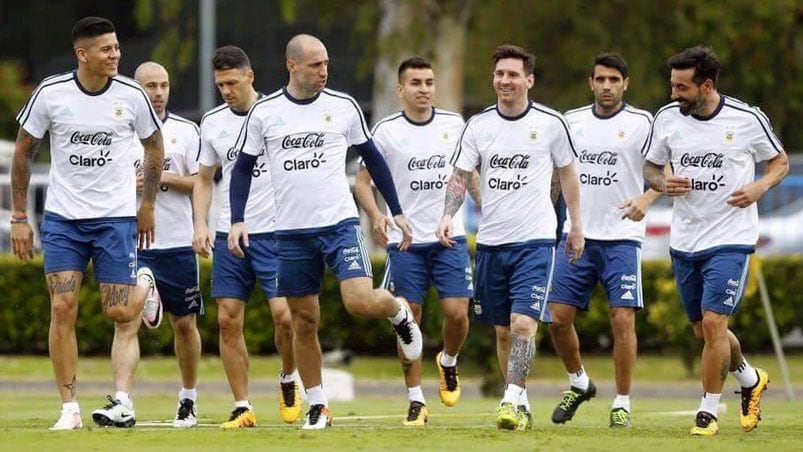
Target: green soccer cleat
[(571, 401), (620, 418), (507, 417)]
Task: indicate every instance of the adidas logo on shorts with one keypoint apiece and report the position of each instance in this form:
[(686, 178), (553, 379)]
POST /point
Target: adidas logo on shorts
[(627, 295), (355, 266)]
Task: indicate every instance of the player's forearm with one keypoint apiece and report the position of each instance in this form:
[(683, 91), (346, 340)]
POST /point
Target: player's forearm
[(24, 151), (152, 167), (181, 184), (777, 168), (201, 200), (570, 188), (474, 188), (654, 175), (455, 192), (554, 187), (365, 195), (240, 186)]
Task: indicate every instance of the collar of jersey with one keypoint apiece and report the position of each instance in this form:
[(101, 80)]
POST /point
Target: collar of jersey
[(241, 113), (518, 116), (299, 101), (599, 116), (87, 92), (422, 123), (715, 113)]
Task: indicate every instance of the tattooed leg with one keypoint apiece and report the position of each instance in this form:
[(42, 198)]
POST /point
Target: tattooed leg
[(63, 346), (522, 351)]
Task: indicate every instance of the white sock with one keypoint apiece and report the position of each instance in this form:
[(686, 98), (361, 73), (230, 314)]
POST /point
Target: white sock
[(400, 316), (315, 396), (124, 399), (71, 407), (710, 403), (524, 400), (415, 394), (243, 404), (288, 378), (448, 360), (579, 379), (746, 374), (185, 393), (512, 394), (621, 401)]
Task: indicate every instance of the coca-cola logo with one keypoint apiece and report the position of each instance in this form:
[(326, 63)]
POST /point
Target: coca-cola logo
[(303, 141), (515, 161), (92, 138), (431, 162), (707, 160), (232, 153), (599, 158)]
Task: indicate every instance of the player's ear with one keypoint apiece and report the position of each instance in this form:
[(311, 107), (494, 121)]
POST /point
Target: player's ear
[(80, 53)]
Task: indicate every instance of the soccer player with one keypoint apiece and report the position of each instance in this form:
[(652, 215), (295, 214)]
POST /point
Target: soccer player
[(712, 142), (415, 143), (233, 279), (611, 137), (305, 131), (92, 114), (172, 260), (516, 143)]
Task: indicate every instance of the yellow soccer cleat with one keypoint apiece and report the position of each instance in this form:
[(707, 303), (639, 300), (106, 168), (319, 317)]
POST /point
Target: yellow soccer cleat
[(525, 418), (449, 389), (241, 417), (705, 425), (417, 415), (751, 402), (507, 418), (289, 402)]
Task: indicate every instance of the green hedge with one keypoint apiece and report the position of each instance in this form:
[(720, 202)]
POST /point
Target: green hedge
[(661, 326)]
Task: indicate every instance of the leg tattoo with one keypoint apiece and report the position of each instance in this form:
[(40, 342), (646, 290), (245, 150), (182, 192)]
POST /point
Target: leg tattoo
[(522, 351), (72, 387)]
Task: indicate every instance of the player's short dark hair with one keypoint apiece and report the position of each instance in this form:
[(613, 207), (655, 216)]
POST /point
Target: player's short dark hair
[(91, 27), (416, 62), (702, 59), (230, 57), (511, 51), (611, 60)]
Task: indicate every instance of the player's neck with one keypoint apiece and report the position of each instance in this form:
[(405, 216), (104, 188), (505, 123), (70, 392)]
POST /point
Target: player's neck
[(90, 81), (297, 92), (603, 111), (514, 107), (250, 100), (418, 115), (711, 104)]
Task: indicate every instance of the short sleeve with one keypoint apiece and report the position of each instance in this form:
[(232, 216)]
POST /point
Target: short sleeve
[(250, 140), (34, 116), (466, 154), (207, 155), (763, 142), (145, 120), (657, 148), (358, 129), (562, 150), (191, 152)]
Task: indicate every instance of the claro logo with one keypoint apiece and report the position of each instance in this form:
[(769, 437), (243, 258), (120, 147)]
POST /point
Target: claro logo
[(91, 161)]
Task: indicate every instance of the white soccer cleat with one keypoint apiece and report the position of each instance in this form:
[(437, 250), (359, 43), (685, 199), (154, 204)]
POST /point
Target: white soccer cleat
[(408, 334), (115, 414), (318, 418), (152, 311), (68, 421), (186, 416)]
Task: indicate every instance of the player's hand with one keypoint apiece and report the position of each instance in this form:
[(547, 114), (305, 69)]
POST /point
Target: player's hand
[(444, 232), (379, 228), (635, 209), (146, 226), (238, 233), (407, 232), (747, 195), (677, 186), (575, 243), (140, 182), (202, 241), (22, 241)]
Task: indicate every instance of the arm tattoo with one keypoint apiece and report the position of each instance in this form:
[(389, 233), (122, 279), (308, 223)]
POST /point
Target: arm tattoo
[(24, 152), (654, 175), (554, 189), (60, 285), (112, 295), (154, 161), (522, 351), (455, 191), (474, 188)]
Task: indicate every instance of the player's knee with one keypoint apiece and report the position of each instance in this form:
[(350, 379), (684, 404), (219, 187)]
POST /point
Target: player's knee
[(228, 323), (185, 326), (120, 314), (455, 317), (304, 324), (713, 328), (283, 324), (63, 310), (523, 326), (623, 320)]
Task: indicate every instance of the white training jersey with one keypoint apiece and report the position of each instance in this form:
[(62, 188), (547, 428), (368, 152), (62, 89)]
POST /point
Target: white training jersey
[(417, 154), (718, 154), (306, 142), (90, 143), (173, 209), (516, 156), (219, 129), (610, 164)]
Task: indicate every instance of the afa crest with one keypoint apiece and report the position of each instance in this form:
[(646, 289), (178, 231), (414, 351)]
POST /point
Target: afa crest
[(729, 137), (445, 136), (533, 136), (172, 140), (118, 110), (327, 117), (621, 135)]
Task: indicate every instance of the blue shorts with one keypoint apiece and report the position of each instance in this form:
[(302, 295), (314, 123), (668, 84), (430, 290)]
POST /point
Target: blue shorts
[(615, 264), (301, 258), (176, 273), (713, 283), (513, 278), (408, 273), (111, 243), (233, 277)]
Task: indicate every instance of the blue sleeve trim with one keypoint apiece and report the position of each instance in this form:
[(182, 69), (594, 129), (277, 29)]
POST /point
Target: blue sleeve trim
[(240, 186), (380, 173)]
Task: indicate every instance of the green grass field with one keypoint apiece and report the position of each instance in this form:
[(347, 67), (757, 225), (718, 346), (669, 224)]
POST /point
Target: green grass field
[(374, 422)]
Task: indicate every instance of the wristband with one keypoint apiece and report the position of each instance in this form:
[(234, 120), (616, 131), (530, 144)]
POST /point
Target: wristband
[(19, 219)]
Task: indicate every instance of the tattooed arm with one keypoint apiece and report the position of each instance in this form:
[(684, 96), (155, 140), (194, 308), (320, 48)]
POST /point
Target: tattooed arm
[(554, 189), (21, 232), (455, 195), (152, 171), (474, 188)]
